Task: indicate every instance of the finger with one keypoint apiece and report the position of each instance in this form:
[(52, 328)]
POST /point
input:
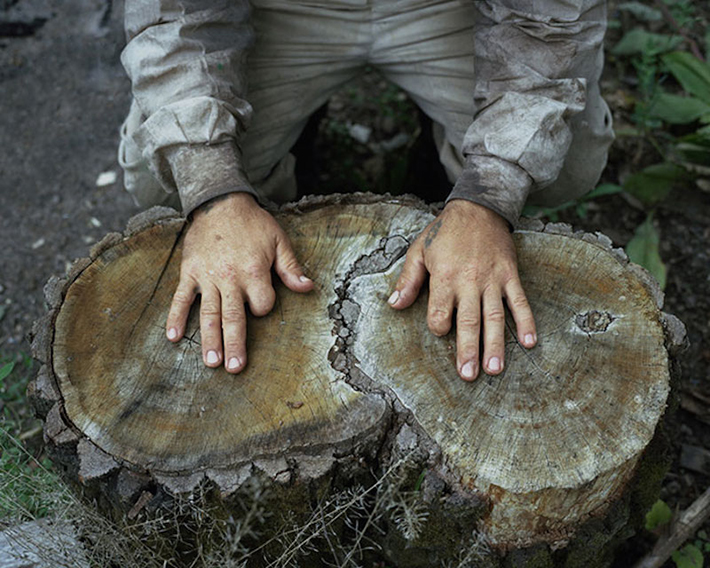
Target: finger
[(410, 280), (468, 334), (288, 268), (211, 326), (440, 307), (183, 298), (261, 296), (234, 329), (493, 332), (522, 314)]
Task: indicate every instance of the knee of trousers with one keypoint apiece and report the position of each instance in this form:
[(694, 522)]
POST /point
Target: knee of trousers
[(138, 180), (592, 134)]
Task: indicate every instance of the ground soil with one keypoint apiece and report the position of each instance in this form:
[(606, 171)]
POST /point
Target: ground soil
[(63, 95)]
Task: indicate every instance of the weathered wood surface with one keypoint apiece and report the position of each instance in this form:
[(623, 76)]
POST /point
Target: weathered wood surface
[(41, 544), (337, 381)]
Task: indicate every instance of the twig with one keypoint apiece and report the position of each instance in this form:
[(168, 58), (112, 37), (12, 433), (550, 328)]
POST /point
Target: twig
[(30, 433), (685, 527), (673, 22)]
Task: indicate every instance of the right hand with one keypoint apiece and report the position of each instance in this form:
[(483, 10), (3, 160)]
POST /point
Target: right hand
[(229, 249)]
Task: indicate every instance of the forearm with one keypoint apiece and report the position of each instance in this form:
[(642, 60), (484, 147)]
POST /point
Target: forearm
[(532, 73), (186, 64)]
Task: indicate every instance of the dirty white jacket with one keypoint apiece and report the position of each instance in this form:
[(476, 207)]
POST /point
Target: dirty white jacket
[(186, 60)]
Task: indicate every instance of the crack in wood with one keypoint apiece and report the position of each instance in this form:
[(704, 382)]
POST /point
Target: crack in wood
[(345, 312)]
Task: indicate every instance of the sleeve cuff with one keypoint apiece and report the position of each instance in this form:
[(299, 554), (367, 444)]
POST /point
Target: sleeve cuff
[(500, 186), (203, 172)]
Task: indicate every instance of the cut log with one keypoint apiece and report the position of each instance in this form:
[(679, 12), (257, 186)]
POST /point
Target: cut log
[(339, 386)]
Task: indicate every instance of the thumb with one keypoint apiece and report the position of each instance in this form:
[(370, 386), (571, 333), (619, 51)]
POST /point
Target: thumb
[(410, 281), (288, 268)]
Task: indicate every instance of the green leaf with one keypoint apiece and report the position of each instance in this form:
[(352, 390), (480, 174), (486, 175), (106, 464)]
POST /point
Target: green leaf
[(643, 249), (6, 369), (420, 480), (581, 209), (602, 190), (698, 154), (691, 73), (688, 557), (653, 184), (675, 109), (641, 11), (639, 41), (660, 514)]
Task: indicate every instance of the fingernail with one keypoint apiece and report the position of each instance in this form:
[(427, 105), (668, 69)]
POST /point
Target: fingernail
[(467, 370), (529, 339), (494, 364), (212, 357), (172, 333), (393, 298), (233, 363), (304, 279)]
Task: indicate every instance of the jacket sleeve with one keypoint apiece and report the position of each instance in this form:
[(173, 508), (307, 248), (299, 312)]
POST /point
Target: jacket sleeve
[(186, 62), (533, 61)]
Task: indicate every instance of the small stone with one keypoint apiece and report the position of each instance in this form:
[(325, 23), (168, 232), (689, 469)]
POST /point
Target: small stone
[(360, 132), (38, 243), (95, 222), (89, 240), (106, 178)]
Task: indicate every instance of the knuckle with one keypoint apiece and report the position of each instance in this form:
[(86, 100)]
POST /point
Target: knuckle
[(437, 315), (232, 315), (519, 301), (438, 321), (209, 309), (510, 277), (446, 270), (229, 272), (233, 345), (182, 296), (262, 300), (467, 350), (495, 315), (471, 273), (253, 270), (468, 321), (261, 309)]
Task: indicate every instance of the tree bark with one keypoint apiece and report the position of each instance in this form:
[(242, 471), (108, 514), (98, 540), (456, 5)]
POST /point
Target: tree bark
[(343, 392)]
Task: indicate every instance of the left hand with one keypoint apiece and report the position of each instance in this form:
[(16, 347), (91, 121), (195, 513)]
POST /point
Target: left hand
[(469, 254)]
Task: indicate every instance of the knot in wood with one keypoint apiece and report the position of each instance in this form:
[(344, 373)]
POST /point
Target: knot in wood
[(594, 321)]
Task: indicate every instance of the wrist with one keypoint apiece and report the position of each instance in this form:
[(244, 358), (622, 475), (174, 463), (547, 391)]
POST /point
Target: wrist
[(478, 212), (233, 202)]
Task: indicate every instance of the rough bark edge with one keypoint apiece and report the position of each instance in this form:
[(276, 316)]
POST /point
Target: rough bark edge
[(93, 466), (99, 472)]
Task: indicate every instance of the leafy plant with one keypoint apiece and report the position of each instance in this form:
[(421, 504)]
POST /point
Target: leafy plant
[(659, 515), (691, 555), (673, 89)]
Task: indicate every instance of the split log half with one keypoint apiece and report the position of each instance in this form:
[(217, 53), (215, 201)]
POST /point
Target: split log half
[(337, 381)]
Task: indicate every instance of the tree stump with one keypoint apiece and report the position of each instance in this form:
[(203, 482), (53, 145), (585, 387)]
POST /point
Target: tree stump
[(349, 405)]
